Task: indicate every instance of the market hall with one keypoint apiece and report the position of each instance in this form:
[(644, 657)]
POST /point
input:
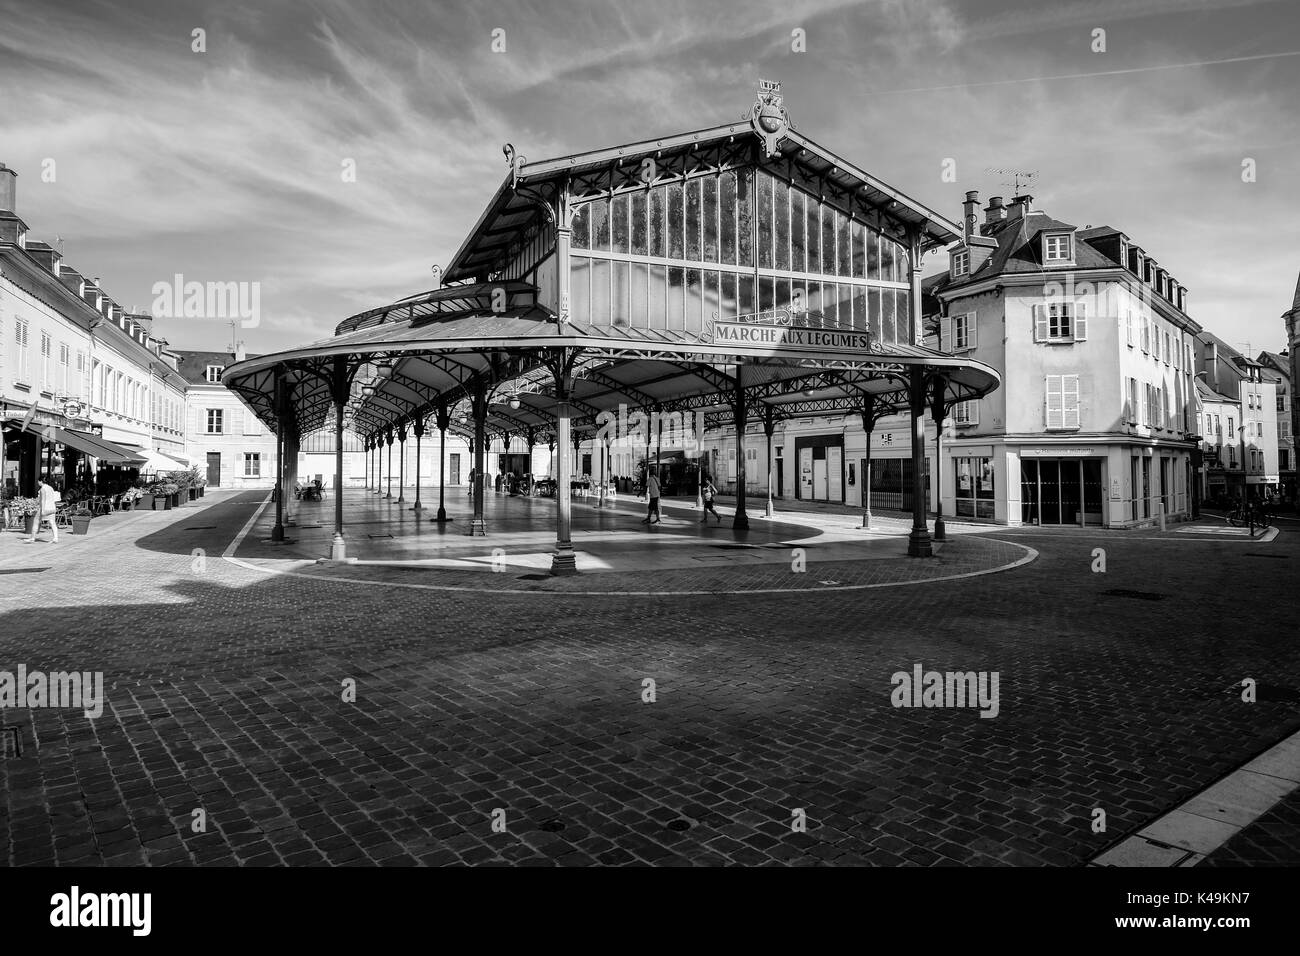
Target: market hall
[(741, 273)]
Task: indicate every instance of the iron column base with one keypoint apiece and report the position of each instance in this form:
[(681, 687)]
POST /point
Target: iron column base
[(478, 526), (338, 548), (564, 561), (918, 545), (940, 532)]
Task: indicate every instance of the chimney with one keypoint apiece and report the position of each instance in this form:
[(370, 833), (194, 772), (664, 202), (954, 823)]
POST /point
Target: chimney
[(240, 355), (969, 220), (995, 212), (1020, 206), (1211, 353), (8, 190)]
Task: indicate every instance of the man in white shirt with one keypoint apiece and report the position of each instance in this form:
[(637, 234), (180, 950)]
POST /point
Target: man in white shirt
[(47, 500), (652, 492)]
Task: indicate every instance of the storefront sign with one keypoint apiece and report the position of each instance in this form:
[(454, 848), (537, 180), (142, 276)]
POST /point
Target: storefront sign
[(1056, 452), (778, 337)]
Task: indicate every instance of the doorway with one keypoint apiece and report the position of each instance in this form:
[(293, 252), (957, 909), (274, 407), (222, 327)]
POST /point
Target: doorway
[(214, 469)]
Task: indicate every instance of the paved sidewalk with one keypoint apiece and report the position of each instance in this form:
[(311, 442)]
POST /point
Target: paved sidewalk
[(226, 693)]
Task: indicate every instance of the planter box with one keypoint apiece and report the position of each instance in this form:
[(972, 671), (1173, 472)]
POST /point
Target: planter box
[(81, 524), (194, 494), (166, 503), (174, 501), (202, 488), (31, 526)]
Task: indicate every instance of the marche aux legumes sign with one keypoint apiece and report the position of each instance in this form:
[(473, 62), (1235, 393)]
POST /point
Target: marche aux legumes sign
[(781, 330)]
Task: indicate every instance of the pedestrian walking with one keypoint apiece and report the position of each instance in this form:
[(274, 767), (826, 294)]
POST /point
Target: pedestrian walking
[(47, 502), (652, 493), (707, 491), (471, 483)]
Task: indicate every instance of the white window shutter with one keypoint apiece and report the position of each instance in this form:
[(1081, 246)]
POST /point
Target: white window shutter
[(973, 409), (1054, 401), (970, 329), (1080, 321), (945, 334), (1070, 401), (1040, 323)]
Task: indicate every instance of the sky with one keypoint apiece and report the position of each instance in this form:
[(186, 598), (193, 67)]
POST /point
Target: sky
[(149, 158)]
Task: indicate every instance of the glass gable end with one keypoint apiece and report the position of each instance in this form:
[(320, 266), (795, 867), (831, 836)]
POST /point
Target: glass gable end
[(678, 255)]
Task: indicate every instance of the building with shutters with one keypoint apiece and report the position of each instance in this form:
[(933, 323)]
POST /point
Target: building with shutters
[(1094, 424), (224, 440), (1276, 369), (89, 393)]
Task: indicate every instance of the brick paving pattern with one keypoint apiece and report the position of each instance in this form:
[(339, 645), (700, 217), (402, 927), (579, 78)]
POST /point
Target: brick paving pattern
[(224, 691)]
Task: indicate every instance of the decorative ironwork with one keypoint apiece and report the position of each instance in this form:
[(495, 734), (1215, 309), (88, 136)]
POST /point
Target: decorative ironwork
[(769, 116)]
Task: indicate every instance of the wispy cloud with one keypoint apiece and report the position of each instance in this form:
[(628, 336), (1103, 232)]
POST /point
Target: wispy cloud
[(229, 164)]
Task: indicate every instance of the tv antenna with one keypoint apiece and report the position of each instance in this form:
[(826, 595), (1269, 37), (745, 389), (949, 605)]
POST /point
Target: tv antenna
[(1019, 179), (234, 345)]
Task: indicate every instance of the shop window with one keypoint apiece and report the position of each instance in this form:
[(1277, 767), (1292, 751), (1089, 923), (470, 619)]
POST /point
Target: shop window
[(974, 487)]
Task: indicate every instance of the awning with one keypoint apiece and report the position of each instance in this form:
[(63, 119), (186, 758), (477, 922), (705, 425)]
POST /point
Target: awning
[(155, 460), (86, 443)]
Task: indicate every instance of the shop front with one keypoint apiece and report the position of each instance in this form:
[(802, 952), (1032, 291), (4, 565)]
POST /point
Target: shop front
[(1061, 488)]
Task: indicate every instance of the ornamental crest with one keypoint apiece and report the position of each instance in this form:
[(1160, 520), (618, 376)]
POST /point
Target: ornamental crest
[(769, 117)]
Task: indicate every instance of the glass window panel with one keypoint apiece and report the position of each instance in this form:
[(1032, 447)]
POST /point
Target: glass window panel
[(903, 315), (859, 251), (712, 297), (901, 259), (782, 231), (581, 236), (860, 308), (874, 310), (830, 304), (727, 215), (621, 307), (873, 255), (600, 304), (710, 205), (658, 297), (844, 249), (619, 228), (813, 225), (640, 308), (887, 260), (600, 224), (814, 300), (694, 219), (782, 298), (847, 295), (676, 296), (694, 300), (729, 306), (887, 330), (745, 219), (764, 293), (798, 259), (675, 216), (745, 296), (580, 290), (828, 241), (640, 244), (658, 245), (764, 213)]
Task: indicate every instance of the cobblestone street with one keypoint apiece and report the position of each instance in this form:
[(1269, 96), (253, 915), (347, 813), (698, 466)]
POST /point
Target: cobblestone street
[(225, 694)]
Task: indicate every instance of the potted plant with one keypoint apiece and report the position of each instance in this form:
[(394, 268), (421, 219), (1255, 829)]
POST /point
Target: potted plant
[(166, 492), (27, 509), (80, 523)]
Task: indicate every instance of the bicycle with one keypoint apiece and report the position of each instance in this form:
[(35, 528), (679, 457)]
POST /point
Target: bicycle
[(1237, 516)]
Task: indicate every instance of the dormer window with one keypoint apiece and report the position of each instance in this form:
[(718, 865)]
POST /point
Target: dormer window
[(961, 262), (214, 373), (1056, 247)]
